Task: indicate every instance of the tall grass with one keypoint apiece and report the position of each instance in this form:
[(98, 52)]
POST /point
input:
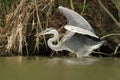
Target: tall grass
[(21, 23)]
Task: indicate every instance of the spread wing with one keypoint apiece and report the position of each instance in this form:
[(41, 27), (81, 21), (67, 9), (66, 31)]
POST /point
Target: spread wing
[(73, 18), (80, 30)]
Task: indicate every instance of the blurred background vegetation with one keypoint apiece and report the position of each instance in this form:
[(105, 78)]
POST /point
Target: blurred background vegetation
[(20, 20)]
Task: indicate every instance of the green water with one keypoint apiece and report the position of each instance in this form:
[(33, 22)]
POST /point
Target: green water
[(40, 68)]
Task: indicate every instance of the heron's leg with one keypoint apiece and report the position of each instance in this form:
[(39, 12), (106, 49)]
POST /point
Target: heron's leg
[(54, 52), (79, 56), (72, 54), (87, 54)]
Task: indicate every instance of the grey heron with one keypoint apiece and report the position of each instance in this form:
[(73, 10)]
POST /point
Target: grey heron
[(79, 38)]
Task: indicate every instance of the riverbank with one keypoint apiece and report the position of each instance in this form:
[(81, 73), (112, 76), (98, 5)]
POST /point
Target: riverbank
[(20, 20)]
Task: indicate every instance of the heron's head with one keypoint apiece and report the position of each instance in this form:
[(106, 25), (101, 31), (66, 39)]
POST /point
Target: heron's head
[(47, 31)]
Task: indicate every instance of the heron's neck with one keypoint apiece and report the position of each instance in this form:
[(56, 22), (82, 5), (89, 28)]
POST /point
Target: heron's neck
[(55, 37)]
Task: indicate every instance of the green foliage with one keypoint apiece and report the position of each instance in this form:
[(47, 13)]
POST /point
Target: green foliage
[(7, 5), (86, 7)]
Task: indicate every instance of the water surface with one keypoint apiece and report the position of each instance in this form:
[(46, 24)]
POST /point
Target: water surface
[(42, 68)]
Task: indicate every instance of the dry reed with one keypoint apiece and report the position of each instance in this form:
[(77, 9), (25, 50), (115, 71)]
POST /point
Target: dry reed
[(30, 17), (26, 20)]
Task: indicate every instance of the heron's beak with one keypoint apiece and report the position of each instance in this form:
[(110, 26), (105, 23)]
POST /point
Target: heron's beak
[(37, 35), (40, 34)]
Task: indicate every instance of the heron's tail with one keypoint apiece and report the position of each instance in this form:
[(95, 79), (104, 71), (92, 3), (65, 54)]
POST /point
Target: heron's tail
[(97, 45), (101, 42)]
